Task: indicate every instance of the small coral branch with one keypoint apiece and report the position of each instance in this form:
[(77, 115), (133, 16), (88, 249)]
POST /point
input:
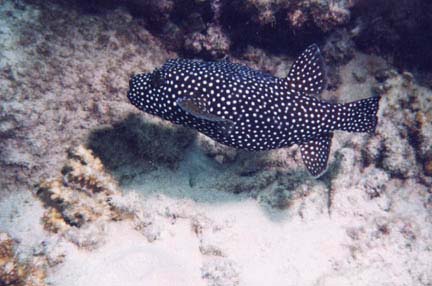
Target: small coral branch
[(82, 194)]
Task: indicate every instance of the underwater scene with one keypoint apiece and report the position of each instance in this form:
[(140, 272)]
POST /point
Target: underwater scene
[(215, 142)]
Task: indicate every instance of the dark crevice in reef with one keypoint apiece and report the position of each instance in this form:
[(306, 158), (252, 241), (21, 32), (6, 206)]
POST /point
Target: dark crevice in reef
[(244, 26), (175, 22), (192, 16), (401, 29)]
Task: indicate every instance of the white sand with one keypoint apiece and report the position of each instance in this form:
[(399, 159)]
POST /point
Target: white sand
[(128, 259), (243, 242), (20, 215)]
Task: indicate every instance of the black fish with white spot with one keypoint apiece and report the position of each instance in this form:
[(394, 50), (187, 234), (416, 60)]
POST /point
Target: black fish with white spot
[(248, 109)]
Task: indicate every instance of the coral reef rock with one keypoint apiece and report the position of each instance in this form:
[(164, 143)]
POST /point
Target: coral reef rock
[(324, 14), (63, 71), (221, 272), (221, 153), (405, 133), (14, 272)]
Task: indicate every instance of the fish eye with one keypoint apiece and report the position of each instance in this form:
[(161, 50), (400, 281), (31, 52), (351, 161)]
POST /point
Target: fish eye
[(156, 79)]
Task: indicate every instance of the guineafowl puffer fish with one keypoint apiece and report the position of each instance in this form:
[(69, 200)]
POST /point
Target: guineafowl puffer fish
[(252, 110)]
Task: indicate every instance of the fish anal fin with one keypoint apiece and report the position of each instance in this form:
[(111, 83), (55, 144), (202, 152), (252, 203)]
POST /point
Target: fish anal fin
[(315, 154), (307, 74)]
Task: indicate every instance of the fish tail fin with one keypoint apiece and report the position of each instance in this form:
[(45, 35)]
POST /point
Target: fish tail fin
[(361, 115)]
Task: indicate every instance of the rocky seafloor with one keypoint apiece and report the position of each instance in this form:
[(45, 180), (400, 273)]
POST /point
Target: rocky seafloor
[(94, 192)]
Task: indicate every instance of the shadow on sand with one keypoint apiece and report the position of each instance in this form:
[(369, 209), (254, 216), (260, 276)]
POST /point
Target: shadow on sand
[(162, 159), (135, 145)]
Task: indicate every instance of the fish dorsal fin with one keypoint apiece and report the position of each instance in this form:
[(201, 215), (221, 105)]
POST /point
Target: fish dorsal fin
[(315, 154), (197, 106), (307, 74)]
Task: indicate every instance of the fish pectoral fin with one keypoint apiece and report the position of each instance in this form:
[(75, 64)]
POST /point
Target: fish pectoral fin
[(315, 154), (307, 74), (197, 107)]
